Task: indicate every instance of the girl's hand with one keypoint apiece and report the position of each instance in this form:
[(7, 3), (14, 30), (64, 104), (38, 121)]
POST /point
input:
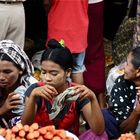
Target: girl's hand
[(84, 92), (12, 102), (48, 92)]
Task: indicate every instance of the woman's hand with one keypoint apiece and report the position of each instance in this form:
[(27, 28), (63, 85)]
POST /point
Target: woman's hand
[(11, 102), (84, 92), (48, 92), (137, 108)]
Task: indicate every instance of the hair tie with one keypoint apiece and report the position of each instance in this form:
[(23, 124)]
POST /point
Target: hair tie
[(62, 42)]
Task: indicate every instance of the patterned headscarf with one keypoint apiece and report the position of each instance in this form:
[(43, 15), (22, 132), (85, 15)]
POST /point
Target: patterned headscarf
[(19, 57)]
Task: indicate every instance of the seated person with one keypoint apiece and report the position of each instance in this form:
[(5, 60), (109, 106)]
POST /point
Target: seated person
[(123, 113), (15, 76), (56, 101)]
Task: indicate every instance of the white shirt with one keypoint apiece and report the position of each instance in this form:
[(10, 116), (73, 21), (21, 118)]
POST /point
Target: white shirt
[(94, 1)]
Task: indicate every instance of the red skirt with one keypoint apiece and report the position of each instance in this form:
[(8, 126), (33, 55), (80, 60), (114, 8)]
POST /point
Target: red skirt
[(94, 76)]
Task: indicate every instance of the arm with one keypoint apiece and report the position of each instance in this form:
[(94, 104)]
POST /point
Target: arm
[(91, 111), (47, 5), (30, 106), (130, 124), (102, 100)]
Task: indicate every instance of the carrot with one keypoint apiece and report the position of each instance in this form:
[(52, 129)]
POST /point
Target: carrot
[(15, 129), (20, 126), (23, 139), (42, 130), (50, 128), (36, 134), (35, 126), (56, 138), (13, 138), (31, 129), (8, 131), (48, 135), (18, 138), (61, 133), (26, 128), (13, 135), (30, 136), (2, 132), (40, 138), (8, 136), (22, 133)]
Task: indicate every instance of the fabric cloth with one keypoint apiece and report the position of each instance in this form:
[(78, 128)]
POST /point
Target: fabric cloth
[(90, 135), (12, 23), (94, 76), (20, 58), (111, 125), (94, 1), (67, 119), (78, 62), (122, 98), (60, 100), (69, 21)]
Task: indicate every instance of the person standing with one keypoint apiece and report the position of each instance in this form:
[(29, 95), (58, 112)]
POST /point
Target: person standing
[(12, 21), (94, 76), (68, 20)]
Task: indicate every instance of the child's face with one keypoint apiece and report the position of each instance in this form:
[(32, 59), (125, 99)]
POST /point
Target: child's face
[(9, 74), (130, 73), (52, 74)]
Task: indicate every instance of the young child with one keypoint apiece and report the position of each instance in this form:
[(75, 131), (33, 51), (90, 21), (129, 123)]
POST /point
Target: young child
[(55, 101)]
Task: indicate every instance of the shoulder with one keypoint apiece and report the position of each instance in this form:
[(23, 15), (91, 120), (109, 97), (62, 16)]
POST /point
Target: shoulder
[(124, 83), (30, 88), (81, 104)]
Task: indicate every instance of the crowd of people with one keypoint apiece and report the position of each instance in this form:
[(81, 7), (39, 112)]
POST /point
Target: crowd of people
[(72, 75)]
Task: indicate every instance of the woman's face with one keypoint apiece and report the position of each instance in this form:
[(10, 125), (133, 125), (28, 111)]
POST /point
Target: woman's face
[(52, 74), (130, 73), (9, 74)]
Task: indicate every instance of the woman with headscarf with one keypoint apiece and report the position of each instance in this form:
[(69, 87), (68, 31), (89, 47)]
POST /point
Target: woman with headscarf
[(15, 77)]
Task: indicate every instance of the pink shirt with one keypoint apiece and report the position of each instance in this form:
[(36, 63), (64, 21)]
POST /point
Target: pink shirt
[(68, 20)]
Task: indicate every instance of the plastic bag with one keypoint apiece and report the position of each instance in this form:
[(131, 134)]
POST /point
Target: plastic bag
[(112, 75), (36, 59), (90, 135)]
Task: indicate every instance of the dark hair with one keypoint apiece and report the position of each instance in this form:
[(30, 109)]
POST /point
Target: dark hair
[(58, 54), (136, 57), (5, 57)]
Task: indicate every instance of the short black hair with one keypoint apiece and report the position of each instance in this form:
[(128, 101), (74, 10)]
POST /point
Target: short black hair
[(58, 54), (136, 57)]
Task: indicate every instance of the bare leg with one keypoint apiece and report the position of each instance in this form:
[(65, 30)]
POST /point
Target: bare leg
[(78, 78)]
